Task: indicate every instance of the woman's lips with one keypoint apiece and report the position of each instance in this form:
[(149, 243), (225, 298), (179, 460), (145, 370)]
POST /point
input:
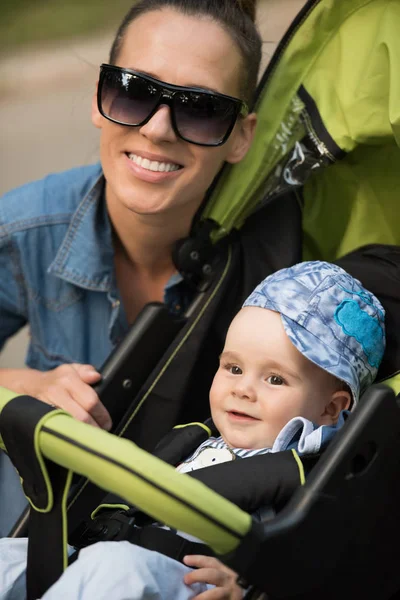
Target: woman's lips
[(154, 163), (147, 174)]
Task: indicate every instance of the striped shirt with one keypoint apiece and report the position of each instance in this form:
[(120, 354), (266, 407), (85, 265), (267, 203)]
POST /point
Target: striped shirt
[(214, 451)]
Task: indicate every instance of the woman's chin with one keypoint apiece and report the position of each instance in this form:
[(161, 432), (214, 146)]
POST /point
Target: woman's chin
[(147, 206)]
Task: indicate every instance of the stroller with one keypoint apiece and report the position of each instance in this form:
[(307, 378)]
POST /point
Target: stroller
[(326, 151)]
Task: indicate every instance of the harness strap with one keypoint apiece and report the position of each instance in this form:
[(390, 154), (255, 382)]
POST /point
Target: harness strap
[(167, 542), (117, 525)]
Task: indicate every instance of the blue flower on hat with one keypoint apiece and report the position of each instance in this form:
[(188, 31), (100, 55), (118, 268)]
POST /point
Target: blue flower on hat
[(363, 327)]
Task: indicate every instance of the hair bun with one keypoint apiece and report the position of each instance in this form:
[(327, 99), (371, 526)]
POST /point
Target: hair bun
[(248, 7)]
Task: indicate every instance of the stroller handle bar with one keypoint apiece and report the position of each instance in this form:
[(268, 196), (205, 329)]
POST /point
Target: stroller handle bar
[(120, 466)]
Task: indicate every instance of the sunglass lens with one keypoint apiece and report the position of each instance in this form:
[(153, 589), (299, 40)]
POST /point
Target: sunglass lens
[(127, 98), (204, 118)]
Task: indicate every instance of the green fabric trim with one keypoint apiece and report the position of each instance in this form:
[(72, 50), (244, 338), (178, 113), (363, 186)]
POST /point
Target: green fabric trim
[(153, 486), (202, 425), (394, 383), (300, 466), (6, 395), (105, 506), (43, 421), (64, 516)]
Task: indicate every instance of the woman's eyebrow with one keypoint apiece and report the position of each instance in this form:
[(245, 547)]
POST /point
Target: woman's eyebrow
[(195, 86)]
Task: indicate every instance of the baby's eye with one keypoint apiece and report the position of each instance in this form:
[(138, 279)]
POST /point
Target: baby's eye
[(275, 380), (234, 369)]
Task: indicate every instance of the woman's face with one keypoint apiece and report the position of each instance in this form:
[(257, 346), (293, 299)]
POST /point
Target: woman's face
[(182, 50)]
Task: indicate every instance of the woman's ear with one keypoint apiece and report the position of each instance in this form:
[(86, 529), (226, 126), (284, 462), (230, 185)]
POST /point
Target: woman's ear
[(340, 400), (96, 116), (242, 138)]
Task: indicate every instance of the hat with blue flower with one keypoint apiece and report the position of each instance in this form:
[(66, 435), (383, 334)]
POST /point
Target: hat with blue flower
[(330, 318)]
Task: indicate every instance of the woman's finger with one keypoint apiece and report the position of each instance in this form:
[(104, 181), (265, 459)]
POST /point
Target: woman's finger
[(61, 398), (63, 387), (86, 397)]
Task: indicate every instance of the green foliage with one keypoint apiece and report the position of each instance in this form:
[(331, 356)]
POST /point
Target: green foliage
[(27, 22)]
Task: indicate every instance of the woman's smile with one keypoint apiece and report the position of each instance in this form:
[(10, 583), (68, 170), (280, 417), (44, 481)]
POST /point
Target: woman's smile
[(151, 168), (149, 164)]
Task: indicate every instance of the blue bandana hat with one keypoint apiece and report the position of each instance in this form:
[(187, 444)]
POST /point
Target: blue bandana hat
[(330, 318)]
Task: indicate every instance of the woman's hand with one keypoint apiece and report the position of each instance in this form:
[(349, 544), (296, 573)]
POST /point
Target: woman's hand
[(69, 387), (212, 571)]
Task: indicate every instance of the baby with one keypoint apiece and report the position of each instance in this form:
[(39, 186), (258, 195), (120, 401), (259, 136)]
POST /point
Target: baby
[(302, 350)]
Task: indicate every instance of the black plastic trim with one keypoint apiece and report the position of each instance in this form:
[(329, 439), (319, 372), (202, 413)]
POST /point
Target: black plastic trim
[(318, 124)]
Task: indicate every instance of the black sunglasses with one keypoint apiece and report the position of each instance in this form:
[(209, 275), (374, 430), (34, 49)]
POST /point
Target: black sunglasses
[(198, 116)]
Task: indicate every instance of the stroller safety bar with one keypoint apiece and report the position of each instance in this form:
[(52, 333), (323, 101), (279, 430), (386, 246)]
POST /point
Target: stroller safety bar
[(119, 466)]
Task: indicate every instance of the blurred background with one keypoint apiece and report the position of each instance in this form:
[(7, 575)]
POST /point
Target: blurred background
[(49, 58)]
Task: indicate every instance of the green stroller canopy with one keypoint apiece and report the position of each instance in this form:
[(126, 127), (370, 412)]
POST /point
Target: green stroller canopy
[(328, 127)]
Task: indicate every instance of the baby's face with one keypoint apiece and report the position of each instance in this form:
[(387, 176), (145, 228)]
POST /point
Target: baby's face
[(263, 381)]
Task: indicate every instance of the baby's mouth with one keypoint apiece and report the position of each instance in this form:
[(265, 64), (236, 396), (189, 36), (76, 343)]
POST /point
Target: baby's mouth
[(240, 415)]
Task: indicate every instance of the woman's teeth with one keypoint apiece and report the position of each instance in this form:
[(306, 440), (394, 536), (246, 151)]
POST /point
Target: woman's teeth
[(153, 165)]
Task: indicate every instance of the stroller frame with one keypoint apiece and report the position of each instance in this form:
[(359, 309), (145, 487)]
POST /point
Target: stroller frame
[(361, 462)]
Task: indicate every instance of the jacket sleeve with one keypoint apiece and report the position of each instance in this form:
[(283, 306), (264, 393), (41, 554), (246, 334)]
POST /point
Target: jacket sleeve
[(12, 296)]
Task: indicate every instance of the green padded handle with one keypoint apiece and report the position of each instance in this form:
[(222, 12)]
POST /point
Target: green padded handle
[(119, 466)]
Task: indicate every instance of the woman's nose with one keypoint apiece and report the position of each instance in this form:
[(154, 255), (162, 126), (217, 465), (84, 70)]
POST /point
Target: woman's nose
[(159, 127)]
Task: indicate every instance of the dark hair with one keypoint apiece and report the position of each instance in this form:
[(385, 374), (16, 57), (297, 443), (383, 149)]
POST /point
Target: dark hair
[(236, 16)]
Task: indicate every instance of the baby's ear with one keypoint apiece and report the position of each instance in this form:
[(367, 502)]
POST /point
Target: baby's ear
[(340, 400)]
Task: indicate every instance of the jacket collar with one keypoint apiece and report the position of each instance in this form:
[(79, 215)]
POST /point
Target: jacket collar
[(86, 255)]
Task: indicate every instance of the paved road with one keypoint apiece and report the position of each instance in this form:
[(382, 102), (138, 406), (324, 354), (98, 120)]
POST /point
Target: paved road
[(45, 98)]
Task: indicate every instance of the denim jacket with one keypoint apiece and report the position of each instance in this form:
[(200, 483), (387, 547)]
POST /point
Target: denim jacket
[(57, 270)]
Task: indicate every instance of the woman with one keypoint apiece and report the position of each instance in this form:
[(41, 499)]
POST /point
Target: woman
[(83, 251), (106, 233)]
